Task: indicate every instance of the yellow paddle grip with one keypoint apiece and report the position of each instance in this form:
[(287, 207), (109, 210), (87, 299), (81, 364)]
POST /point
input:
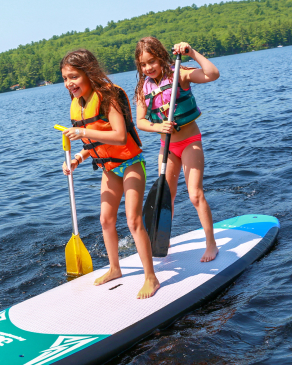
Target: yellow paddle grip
[(60, 128), (65, 139)]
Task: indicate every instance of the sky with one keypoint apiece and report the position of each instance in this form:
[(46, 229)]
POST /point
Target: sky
[(24, 21)]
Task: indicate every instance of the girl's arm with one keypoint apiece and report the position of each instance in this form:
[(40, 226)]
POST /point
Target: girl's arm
[(207, 73), (117, 136), (148, 126)]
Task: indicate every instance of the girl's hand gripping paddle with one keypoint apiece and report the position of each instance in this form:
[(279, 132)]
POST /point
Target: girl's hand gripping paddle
[(157, 211), (78, 259)]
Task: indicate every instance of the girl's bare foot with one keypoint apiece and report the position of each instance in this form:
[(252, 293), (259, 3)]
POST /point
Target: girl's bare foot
[(149, 288), (110, 275), (210, 253)]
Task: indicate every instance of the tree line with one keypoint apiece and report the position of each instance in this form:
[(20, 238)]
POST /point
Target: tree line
[(213, 30)]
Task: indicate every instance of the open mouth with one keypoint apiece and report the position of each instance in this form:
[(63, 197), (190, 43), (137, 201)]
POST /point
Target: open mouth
[(74, 91)]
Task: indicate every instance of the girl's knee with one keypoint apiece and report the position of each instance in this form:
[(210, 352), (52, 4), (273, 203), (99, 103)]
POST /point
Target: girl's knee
[(107, 221), (134, 223), (196, 197)]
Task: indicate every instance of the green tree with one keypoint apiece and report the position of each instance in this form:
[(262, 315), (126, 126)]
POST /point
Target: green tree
[(230, 42)]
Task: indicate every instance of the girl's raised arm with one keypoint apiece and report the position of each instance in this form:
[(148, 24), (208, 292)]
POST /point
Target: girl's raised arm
[(208, 71)]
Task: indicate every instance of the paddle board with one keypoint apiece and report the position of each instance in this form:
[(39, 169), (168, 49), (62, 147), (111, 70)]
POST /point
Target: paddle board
[(79, 323)]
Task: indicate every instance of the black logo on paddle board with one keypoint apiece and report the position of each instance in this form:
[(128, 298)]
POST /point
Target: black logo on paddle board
[(114, 287)]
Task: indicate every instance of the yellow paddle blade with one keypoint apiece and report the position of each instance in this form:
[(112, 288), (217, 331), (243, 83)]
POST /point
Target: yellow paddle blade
[(78, 259)]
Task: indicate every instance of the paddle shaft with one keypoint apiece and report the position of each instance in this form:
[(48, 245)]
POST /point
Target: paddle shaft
[(157, 206), (67, 151), (71, 193)]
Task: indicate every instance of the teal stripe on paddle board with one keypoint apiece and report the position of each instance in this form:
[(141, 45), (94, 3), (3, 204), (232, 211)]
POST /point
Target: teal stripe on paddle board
[(254, 223), (18, 347)]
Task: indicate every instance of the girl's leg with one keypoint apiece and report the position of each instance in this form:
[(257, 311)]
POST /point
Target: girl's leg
[(111, 194), (134, 186), (173, 168), (193, 167)]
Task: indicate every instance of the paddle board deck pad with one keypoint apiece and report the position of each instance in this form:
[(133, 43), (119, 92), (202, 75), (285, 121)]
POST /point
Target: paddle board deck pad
[(79, 323)]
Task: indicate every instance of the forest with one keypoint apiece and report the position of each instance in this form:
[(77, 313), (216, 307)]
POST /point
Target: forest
[(213, 30)]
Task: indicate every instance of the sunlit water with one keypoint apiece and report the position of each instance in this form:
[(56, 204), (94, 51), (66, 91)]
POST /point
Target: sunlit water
[(247, 135)]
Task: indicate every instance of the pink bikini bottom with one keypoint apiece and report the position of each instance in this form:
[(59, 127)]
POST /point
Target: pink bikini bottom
[(178, 147)]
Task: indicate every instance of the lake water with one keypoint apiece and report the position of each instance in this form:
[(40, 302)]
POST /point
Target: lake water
[(247, 139)]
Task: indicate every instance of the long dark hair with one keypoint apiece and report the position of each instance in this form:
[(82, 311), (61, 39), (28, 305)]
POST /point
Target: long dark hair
[(84, 60), (153, 46)]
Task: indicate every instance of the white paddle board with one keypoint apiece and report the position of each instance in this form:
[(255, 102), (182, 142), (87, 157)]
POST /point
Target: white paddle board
[(79, 323)]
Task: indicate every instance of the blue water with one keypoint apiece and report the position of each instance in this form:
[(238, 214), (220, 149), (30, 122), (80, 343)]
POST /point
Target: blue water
[(247, 135)]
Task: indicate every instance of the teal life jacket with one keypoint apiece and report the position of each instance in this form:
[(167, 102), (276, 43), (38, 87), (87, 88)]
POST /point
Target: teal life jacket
[(157, 100)]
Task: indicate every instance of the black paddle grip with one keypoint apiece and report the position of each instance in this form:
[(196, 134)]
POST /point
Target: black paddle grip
[(187, 50)]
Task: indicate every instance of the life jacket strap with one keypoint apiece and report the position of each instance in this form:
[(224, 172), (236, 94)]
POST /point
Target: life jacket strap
[(165, 107), (79, 123), (151, 97), (102, 161), (157, 91), (176, 118), (91, 145), (186, 114)]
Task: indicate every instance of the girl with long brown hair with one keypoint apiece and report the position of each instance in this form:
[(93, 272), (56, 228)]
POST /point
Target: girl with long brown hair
[(153, 93), (101, 118)]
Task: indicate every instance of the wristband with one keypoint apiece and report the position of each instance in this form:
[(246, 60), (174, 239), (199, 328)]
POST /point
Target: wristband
[(76, 160), (79, 154)]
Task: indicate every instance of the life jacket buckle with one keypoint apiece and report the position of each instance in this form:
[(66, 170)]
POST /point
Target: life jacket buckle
[(164, 107), (156, 92)]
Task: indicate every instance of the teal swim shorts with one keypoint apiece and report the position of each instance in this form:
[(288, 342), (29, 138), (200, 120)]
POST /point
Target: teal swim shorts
[(120, 170)]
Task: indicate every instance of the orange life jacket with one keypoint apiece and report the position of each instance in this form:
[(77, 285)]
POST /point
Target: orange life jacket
[(87, 116)]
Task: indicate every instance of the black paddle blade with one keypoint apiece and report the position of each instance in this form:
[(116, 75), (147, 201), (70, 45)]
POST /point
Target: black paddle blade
[(160, 236)]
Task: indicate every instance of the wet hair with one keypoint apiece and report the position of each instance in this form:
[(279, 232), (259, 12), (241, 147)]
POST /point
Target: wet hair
[(84, 60), (156, 49)]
